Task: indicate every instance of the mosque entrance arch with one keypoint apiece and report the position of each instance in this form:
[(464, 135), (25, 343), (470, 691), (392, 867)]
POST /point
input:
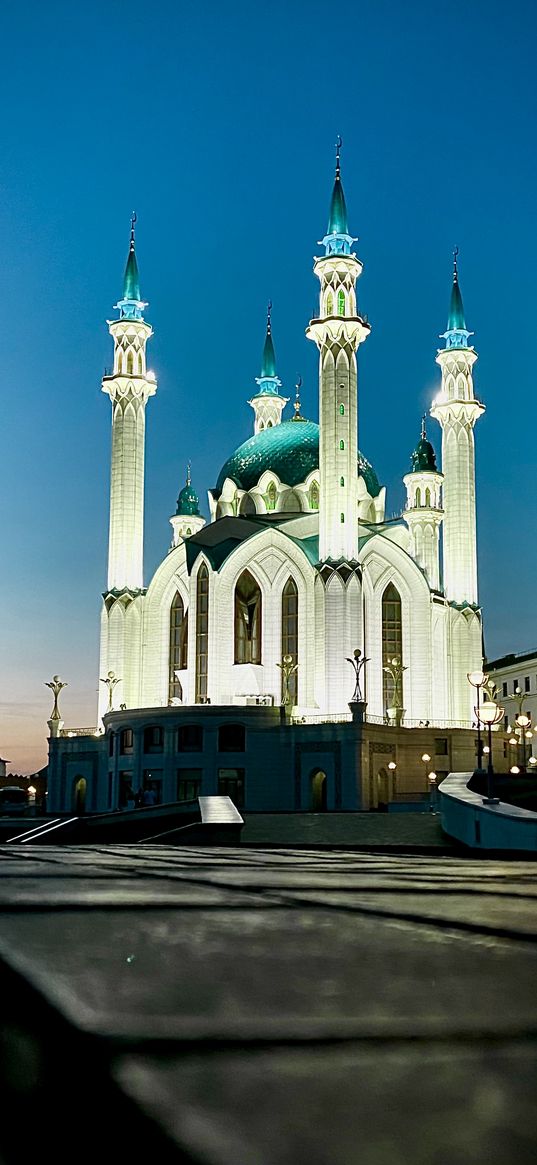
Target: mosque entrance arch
[(79, 791), (319, 791)]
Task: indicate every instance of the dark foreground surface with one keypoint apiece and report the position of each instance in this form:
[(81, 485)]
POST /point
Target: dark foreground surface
[(266, 1007)]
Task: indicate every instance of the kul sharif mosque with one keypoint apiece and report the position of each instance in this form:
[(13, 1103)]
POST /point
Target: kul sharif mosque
[(298, 565), (298, 557)]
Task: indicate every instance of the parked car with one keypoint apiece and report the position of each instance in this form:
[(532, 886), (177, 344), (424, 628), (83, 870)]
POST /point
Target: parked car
[(13, 800)]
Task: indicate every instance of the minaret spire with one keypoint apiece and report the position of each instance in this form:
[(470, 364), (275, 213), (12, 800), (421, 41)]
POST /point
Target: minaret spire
[(132, 305), (129, 387), (338, 330), (267, 402), (424, 507), (457, 410), (296, 405)]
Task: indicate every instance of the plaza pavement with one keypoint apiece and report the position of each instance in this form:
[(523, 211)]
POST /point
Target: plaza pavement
[(266, 1007)]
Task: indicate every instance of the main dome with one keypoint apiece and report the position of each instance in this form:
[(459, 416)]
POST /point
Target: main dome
[(291, 450)]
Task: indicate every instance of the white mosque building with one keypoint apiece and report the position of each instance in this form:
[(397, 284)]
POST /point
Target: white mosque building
[(251, 617)]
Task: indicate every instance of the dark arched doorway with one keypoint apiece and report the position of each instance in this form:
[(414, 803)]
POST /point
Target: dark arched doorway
[(319, 791), (80, 795)]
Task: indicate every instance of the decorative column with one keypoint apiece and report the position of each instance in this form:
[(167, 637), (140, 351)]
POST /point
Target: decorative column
[(338, 331), (457, 410), (267, 403), (129, 388), (424, 509)]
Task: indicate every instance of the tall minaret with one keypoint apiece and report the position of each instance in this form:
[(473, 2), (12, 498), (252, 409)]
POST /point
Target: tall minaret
[(338, 331), (457, 410), (128, 387), (424, 508), (267, 402)]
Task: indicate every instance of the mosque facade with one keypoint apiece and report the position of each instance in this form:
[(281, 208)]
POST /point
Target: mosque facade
[(260, 612)]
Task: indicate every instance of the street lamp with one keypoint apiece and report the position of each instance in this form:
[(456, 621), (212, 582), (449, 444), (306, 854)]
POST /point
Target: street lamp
[(489, 714), (392, 767), (523, 722), (432, 792), (426, 762), (478, 680)]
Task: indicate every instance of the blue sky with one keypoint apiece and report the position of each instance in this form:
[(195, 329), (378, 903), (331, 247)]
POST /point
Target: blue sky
[(217, 123)]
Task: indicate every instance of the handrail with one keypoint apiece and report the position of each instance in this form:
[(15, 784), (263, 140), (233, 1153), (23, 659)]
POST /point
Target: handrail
[(36, 829)]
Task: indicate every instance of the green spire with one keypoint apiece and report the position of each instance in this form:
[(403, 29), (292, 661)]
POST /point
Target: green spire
[(268, 366), (131, 280), (337, 222), (456, 310), (423, 458)]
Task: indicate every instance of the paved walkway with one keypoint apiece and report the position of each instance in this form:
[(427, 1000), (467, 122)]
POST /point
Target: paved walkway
[(266, 1007), (409, 831)]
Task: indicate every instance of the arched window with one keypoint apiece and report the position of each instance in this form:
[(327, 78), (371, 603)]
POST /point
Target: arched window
[(341, 444), (314, 495), (290, 634), (140, 367), (247, 620), (342, 410), (341, 303), (130, 364), (261, 426), (342, 481), (392, 647), (330, 304), (342, 517), (272, 496), (202, 633), (269, 424), (427, 496), (418, 496), (178, 656), (120, 362)]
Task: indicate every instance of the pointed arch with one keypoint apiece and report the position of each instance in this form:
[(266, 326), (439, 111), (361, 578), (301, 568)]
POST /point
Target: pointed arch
[(392, 645), (130, 363), (271, 496), (178, 646), (120, 361), (290, 634), (330, 304), (418, 496), (314, 495), (202, 634), (248, 619), (140, 364), (341, 303)]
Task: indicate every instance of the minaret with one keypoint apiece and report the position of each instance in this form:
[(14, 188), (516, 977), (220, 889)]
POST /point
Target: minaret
[(128, 387), (457, 410), (424, 508), (338, 331), (267, 402), (187, 519)]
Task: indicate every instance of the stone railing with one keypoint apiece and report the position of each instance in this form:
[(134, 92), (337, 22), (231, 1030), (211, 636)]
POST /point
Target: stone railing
[(80, 732), (470, 819), (346, 718)]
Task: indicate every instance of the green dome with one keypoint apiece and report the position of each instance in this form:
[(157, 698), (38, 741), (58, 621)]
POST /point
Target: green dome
[(423, 458), (291, 450), (188, 502)]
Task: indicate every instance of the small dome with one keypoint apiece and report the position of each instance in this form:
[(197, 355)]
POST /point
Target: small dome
[(423, 458), (291, 450), (188, 501)]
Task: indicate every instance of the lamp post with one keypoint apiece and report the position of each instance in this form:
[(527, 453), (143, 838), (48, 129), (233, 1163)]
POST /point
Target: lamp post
[(489, 714), (432, 792), (478, 680), (523, 722), (395, 668), (391, 768), (426, 762)]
